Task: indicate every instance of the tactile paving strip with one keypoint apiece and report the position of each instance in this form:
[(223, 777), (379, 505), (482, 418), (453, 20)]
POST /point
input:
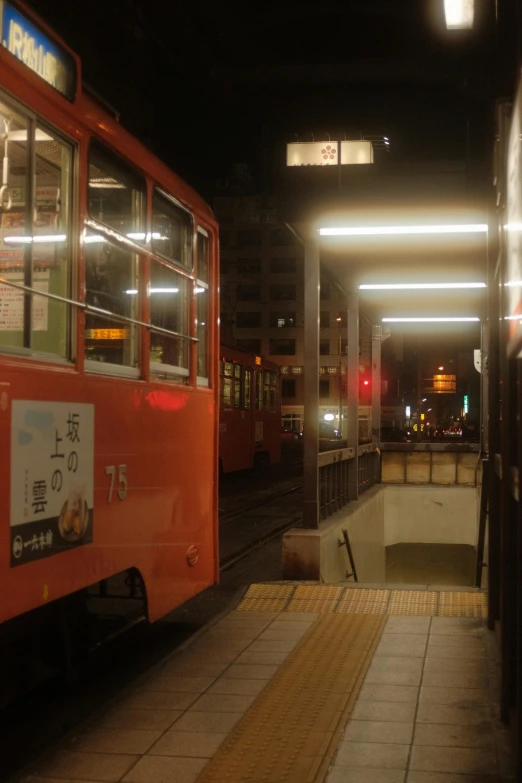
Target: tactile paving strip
[(323, 599), (319, 592), (364, 601), (291, 732), (413, 602), (455, 604), (311, 605), (266, 598)]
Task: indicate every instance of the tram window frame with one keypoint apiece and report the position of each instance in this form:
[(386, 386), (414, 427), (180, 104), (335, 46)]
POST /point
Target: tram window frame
[(202, 293), (128, 176), (33, 124), (186, 260)]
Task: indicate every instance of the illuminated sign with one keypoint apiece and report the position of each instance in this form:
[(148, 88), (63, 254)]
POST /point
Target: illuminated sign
[(408, 411), (106, 334), (32, 47), (466, 403), (331, 153), (258, 360)]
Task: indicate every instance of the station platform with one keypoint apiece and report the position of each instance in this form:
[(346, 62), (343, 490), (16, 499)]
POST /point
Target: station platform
[(304, 683)]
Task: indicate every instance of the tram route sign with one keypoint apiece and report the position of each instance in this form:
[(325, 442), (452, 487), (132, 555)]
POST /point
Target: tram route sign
[(37, 51), (52, 478)]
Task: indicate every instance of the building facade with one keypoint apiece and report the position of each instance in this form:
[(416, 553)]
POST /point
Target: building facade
[(262, 306)]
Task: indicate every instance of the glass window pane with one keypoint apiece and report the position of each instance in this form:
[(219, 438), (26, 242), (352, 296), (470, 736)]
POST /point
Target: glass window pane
[(171, 231), (51, 242), (111, 282), (14, 255), (116, 193), (203, 260), (202, 310), (169, 309)]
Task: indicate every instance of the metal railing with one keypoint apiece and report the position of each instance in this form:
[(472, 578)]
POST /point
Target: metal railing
[(342, 477)]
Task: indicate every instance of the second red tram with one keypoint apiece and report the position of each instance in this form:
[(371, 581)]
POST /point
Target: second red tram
[(108, 346), (250, 410)]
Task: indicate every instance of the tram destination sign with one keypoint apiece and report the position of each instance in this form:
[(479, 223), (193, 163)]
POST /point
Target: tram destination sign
[(52, 476), (35, 50)]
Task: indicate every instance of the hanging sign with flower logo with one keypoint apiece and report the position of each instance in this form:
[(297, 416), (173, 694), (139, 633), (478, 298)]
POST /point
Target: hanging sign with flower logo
[(321, 153)]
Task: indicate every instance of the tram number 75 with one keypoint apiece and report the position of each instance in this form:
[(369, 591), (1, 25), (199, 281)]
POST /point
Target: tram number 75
[(110, 470)]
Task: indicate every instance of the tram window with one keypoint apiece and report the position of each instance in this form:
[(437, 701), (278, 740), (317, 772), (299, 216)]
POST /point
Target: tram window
[(273, 391), (51, 257), (203, 306), (35, 241), (237, 386), (247, 400), (169, 309), (116, 193), (171, 231), (111, 283), (15, 258), (227, 383)]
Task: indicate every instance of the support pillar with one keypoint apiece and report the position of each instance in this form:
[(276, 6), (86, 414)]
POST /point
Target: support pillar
[(311, 383), (376, 382), (352, 391)]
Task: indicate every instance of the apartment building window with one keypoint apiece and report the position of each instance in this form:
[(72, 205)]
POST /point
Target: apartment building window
[(283, 266), (282, 293), (282, 320), (249, 266), (249, 238), (324, 347), (281, 237), (248, 320), (288, 388), (249, 293), (282, 347), (325, 291), (324, 389), (251, 345), (324, 319)]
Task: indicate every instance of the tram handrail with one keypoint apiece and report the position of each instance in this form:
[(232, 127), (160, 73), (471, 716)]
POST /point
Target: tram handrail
[(87, 308)]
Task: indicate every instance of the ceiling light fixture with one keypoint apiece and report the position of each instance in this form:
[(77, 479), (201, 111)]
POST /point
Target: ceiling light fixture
[(415, 286), (420, 320), (353, 231)]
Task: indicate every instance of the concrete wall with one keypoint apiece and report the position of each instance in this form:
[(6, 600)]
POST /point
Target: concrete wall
[(429, 463), (383, 516), (431, 515), (316, 554)]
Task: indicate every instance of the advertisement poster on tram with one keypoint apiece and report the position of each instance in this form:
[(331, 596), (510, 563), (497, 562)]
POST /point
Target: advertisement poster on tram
[(52, 478)]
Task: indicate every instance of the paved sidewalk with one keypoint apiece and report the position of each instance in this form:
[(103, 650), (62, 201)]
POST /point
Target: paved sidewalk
[(358, 690)]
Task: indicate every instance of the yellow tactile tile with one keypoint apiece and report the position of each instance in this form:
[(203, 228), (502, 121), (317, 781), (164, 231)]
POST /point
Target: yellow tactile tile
[(363, 601), (292, 730), (413, 602), (269, 591), (460, 604), (262, 604), (319, 592), (311, 605)]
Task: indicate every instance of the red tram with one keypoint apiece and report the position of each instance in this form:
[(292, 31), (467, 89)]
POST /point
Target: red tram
[(108, 345), (250, 410)]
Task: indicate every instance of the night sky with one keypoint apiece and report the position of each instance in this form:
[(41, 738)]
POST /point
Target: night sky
[(208, 84)]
